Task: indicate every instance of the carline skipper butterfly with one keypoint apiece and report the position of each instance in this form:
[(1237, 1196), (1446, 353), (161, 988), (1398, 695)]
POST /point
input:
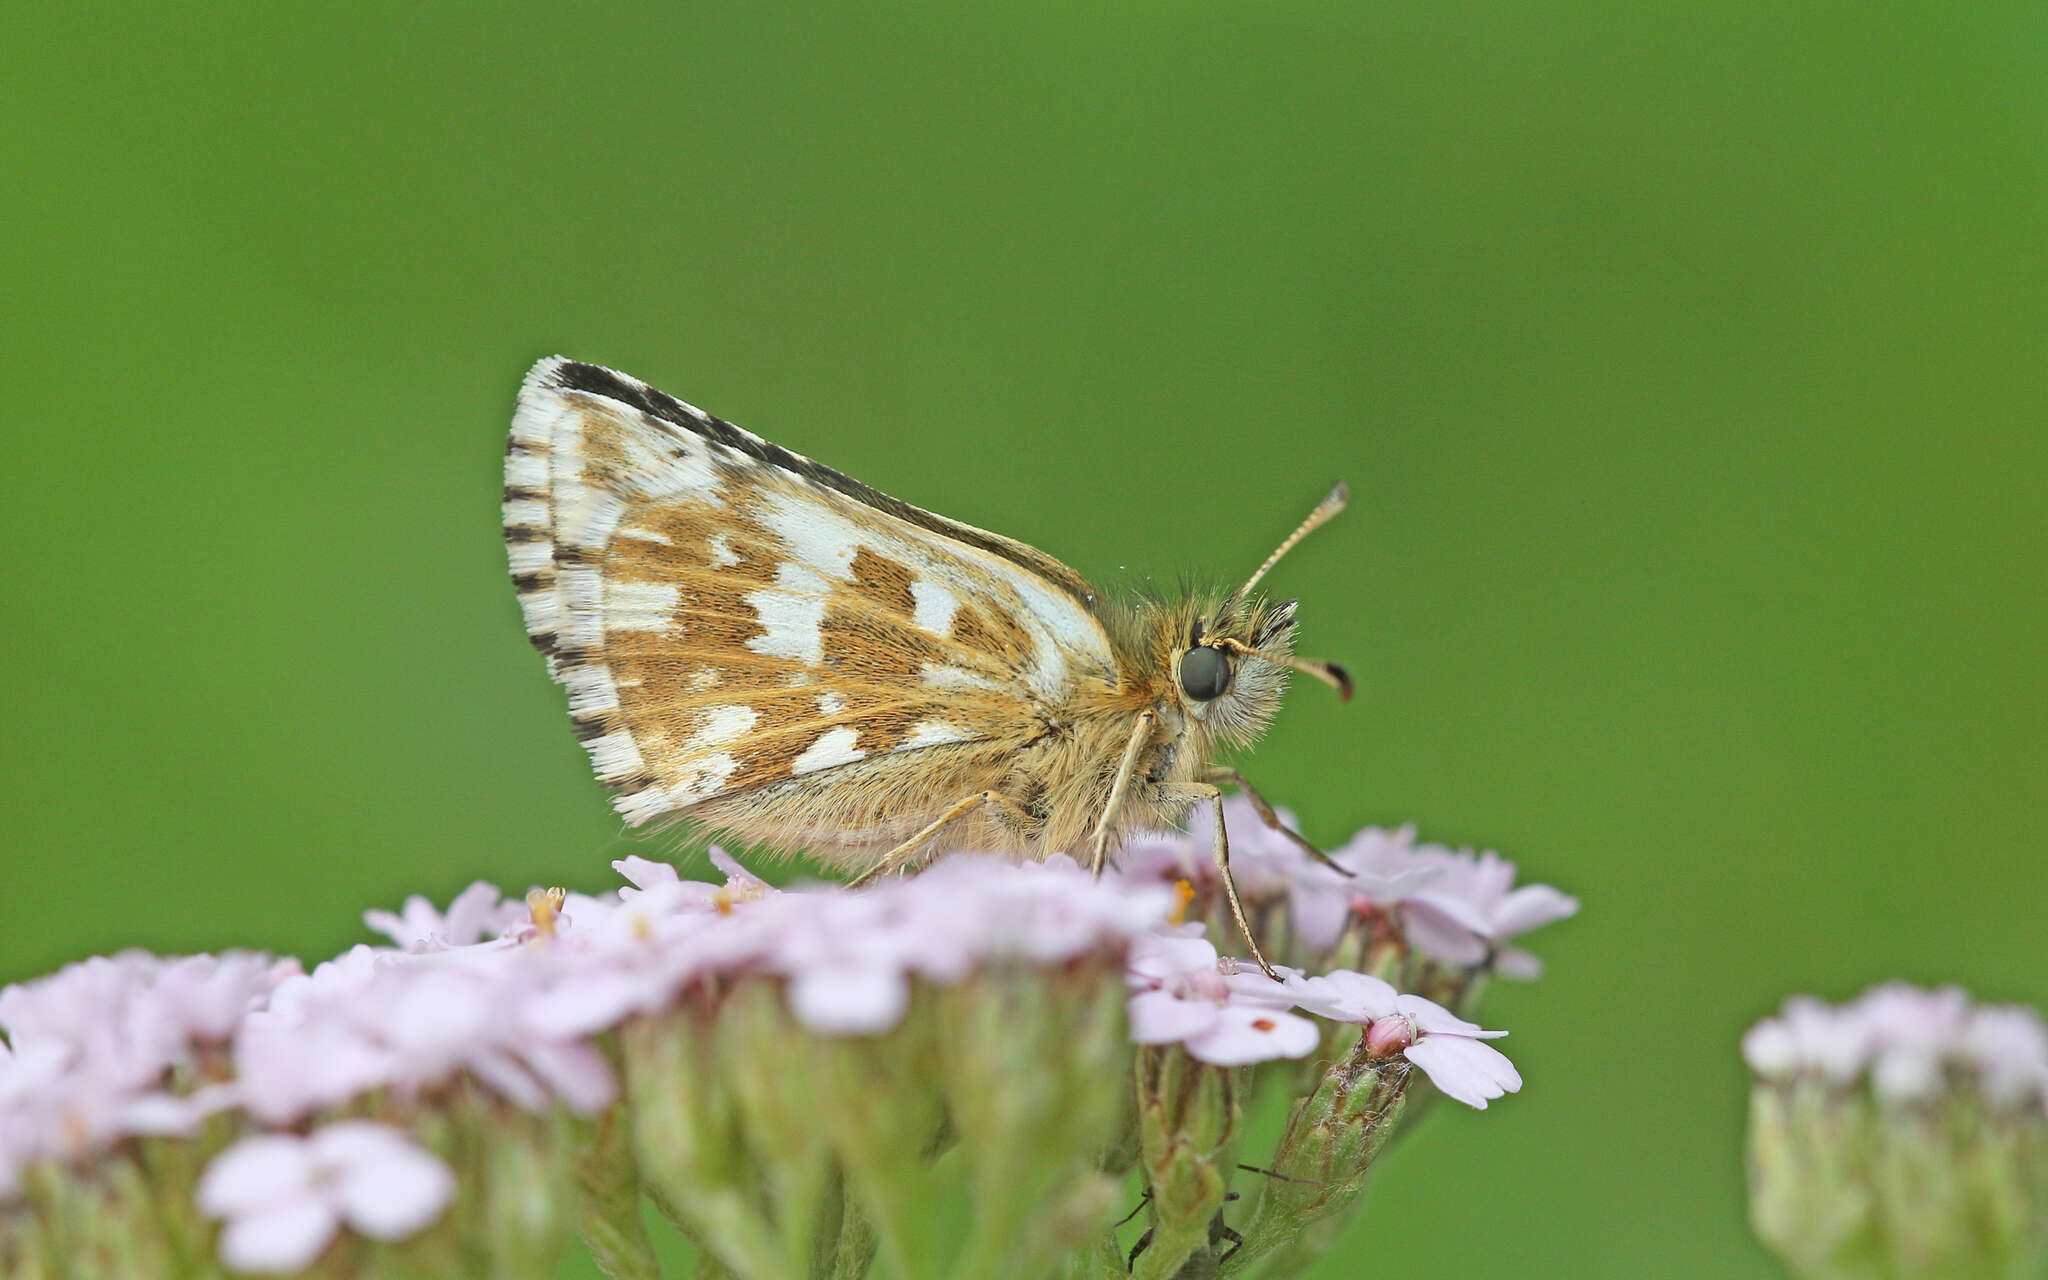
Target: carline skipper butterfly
[(777, 651)]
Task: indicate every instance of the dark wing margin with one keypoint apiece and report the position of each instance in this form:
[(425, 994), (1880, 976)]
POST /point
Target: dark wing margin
[(571, 375)]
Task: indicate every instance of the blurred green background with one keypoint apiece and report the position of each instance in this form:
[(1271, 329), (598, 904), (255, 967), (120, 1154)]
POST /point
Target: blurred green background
[(1689, 365)]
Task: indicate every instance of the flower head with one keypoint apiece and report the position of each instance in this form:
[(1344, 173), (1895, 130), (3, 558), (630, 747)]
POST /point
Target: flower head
[(1912, 1046), (281, 1197)]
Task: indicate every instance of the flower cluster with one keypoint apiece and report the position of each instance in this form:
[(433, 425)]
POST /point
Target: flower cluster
[(1903, 1133), (1910, 1044), (358, 1094), (89, 1047)]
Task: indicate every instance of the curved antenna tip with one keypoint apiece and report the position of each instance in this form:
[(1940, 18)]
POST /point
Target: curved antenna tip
[(1343, 679)]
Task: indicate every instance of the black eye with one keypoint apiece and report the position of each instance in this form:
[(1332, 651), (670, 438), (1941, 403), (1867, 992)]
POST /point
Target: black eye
[(1204, 674)]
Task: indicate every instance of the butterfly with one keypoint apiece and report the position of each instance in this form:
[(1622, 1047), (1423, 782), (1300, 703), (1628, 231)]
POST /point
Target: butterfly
[(777, 651)]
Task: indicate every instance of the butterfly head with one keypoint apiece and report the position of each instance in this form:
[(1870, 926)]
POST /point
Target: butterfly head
[(1230, 656)]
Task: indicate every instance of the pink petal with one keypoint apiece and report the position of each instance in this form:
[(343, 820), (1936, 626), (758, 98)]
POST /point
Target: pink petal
[(1454, 909), (1161, 956), (585, 1003), (502, 1074), (733, 871), (1515, 963), (351, 1142), (849, 1001), (1531, 907), (1319, 910), (285, 1237), (1771, 1049), (1440, 935), (160, 1113), (1345, 995), (396, 1195), (1249, 1033), (1251, 986), (645, 873), (1159, 1017), (257, 1171), (577, 1073), (1468, 1070), (1432, 1018)]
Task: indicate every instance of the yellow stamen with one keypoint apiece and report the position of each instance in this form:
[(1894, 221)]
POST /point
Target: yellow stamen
[(1183, 894), (545, 906)]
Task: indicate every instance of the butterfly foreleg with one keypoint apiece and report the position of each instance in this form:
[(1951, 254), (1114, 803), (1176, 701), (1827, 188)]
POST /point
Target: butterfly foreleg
[(1126, 769), (1226, 774), (1005, 810), (1212, 795)]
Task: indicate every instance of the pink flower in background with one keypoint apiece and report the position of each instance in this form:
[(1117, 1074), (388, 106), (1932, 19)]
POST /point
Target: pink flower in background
[(1910, 1045), (2010, 1048), (281, 1197), (1469, 907)]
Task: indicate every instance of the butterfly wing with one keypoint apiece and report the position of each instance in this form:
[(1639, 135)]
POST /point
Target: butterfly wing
[(731, 619)]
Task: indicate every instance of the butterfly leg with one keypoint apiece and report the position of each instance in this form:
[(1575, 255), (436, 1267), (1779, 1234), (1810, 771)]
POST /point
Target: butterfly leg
[(1126, 769), (1007, 810), (1210, 793), (1223, 773)]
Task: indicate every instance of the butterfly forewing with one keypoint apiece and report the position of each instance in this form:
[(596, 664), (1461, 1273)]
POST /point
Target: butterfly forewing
[(728, 617)]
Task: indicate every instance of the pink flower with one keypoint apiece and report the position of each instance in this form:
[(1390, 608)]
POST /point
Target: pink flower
[(1469, 907), (1451, 1051), (1910, 1044), (281, 1197), (2009, 1046), (1179, 992), (478, 913), (741, 885)]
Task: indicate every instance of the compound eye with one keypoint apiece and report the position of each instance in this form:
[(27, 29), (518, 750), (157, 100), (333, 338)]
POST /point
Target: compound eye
[(1204, 674)]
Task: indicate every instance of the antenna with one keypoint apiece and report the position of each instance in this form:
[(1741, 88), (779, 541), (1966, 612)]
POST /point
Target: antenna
[(1332, 503)]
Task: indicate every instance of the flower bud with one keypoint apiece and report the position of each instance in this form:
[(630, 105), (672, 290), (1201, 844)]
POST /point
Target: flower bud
[(1388, 1036)]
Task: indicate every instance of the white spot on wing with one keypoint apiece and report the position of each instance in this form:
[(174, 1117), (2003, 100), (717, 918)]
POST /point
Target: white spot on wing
[(722, 725), (644, 535), (706, 778), (792, 615), (833, 748), (663, 466), (816, 535), (831, 703), (932, 733), (721, 551), (939, 676), (935, 606), (639, 606), (706, 678)]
